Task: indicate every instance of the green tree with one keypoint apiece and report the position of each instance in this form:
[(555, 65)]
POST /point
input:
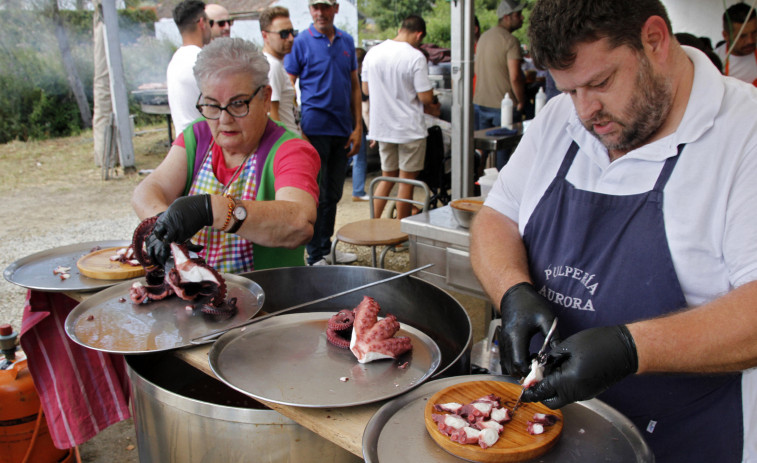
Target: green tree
[(384, 21), (388, 14)]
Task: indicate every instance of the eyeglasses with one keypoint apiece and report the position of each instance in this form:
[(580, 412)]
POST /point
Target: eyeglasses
[(284, 33), (237, 108), (221, 23)]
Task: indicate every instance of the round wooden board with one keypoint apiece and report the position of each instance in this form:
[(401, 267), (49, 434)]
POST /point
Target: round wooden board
[(515, 443), (98, 265)]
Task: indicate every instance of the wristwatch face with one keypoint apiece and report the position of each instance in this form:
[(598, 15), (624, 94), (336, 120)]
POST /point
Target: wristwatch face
[(240, 213)]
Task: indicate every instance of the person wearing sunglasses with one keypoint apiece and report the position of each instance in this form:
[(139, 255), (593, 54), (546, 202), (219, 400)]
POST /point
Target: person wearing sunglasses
[(183, 91), (278, 37), (323, 59), (234, 182), (218, 18)]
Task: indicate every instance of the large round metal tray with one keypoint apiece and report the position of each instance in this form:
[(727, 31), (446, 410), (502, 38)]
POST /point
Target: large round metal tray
[(36, 271), (287, 360), (109, 322), (592, 431)]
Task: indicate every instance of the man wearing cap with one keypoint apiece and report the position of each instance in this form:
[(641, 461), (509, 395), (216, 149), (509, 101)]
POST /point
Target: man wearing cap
[(497, 68), (323, 59), (218, 18)]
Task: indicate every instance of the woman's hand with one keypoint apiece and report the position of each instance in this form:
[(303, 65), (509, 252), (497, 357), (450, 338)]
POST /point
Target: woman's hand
[(183, 218)]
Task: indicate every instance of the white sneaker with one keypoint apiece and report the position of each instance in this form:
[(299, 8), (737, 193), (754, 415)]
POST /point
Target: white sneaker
[(342, 257), (320, 262)]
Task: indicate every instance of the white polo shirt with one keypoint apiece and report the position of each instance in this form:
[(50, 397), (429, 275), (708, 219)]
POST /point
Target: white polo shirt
[(710, 201)]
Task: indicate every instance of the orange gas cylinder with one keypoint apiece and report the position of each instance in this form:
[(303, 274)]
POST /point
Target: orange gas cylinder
[(24, 436)]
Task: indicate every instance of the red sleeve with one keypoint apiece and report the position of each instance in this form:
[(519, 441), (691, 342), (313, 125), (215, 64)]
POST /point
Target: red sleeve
[(179, 141), (297, 164)]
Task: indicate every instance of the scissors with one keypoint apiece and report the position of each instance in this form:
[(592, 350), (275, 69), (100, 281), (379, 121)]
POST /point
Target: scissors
[(541, 356)]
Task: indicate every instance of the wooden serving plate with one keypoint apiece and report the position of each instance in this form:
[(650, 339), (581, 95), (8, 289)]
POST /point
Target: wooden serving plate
[(98, 265), (515, 443)]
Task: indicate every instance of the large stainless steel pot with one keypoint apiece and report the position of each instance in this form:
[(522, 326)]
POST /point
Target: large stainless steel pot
[(182, 415), (413, 301)]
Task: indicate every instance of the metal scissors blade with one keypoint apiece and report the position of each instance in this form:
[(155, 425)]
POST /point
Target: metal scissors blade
[(540, 356), (547, 338), (520, 398)]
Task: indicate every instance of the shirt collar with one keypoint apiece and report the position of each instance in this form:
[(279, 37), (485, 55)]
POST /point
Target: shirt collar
[(314, 32)]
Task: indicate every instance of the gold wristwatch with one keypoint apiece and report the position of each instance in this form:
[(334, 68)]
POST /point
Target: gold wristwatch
[(238, 216)]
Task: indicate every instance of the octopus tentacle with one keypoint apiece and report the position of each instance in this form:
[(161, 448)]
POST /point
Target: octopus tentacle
[(342, 320), (188, 279), (334, 337), (339, 329), (141, 233), (374, 339)]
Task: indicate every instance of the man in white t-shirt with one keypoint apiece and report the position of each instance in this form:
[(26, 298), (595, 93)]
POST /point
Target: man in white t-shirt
[(395, 76), (278, 37), (742, 63), (626, 215), (183, 92)]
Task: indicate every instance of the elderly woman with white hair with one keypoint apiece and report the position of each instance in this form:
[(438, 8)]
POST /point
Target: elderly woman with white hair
[(234, 182)]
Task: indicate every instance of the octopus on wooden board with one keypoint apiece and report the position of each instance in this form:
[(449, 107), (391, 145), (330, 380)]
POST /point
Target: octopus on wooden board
[(473, 423)]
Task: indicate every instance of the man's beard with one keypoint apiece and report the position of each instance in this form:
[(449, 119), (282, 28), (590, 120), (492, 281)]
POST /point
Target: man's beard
[(643, 116)]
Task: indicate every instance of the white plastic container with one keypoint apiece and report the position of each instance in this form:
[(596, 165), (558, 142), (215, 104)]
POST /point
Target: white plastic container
[(487, 181), (539, 101), (506, 111)]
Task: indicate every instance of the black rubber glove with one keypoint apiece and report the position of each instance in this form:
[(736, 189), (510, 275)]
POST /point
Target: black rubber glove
[(585, 365), (177, 224), (524, 313), (156, 250)]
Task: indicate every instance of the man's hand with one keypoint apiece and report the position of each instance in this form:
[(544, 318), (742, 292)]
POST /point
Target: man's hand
[(356, 137), (524, 313), (585, 365), (434, 108), (183, 218)]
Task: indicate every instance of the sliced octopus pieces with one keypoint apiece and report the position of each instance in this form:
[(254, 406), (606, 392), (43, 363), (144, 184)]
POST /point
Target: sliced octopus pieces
[(447, 424), (451, 407)]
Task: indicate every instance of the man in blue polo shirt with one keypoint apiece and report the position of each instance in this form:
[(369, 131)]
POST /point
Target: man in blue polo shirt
[(323, 59)]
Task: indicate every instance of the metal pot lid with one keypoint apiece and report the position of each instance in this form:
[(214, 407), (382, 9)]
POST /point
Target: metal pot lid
[(109, 322), (287, 360), (592, 431), (36, 271)]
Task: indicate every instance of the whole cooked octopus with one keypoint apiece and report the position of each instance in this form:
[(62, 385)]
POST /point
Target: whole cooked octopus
[(365, 335), (189, 279)]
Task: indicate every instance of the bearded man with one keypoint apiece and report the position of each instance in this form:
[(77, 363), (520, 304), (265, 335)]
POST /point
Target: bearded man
[(627, 213)]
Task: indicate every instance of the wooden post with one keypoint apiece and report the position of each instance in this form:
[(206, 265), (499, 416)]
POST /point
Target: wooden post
[(118, 86)]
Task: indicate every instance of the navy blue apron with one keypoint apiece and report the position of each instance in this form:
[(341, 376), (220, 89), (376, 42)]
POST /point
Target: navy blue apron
[(604, 260)]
